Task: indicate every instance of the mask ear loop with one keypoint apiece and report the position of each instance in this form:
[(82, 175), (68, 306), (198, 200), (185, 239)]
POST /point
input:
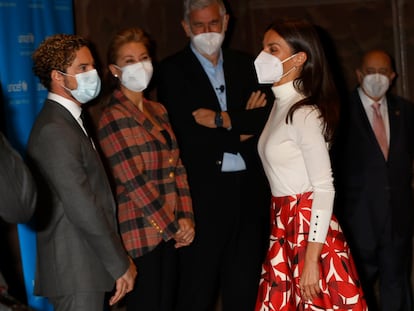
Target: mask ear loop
[(291, 69), (290, 57), (68, 75)]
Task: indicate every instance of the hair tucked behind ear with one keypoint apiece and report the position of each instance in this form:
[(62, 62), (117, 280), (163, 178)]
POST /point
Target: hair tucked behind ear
[(315, 80)]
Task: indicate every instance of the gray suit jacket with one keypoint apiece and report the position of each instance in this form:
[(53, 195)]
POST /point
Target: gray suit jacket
[(17, 187), (78, 247)]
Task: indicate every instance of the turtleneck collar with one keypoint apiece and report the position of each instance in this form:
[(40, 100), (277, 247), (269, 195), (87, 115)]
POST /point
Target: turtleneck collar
[(285, 91)]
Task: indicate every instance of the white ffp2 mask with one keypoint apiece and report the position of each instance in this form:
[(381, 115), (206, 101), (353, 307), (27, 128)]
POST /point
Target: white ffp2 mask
[(269, 68), (375, 85), (208, 42), (136, 77)]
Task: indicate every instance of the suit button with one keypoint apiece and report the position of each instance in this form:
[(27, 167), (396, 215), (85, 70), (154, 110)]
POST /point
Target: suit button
[(171, 175), (170, 160), (218, 162)]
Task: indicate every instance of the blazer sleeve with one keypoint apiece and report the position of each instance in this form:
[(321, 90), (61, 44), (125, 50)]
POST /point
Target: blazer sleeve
[(17, 187), (250, 121), (184, 206), (241, 81)]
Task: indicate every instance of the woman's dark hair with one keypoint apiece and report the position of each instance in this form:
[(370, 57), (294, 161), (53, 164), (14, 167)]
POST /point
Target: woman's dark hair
[(315, 80)]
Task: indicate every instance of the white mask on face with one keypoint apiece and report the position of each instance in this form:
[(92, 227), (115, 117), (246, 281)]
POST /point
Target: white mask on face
[(89, 86), (208, 42), (375, 85), (269, 68), (136, 77)]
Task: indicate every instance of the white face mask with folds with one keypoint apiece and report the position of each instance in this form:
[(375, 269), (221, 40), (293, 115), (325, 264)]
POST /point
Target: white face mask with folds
[(208, 43), (89, 86), (136, 77), (375, 85), (269, 68)]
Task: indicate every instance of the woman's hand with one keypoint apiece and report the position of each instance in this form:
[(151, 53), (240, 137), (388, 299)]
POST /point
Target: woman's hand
[(256, 100), (185, 234), (309, 279)]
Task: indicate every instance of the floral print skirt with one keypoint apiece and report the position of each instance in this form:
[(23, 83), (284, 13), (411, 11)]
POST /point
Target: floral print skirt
[(279, 285)]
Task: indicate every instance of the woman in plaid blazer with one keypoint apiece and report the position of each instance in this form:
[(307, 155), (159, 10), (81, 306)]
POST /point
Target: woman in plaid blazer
[(154, 205)]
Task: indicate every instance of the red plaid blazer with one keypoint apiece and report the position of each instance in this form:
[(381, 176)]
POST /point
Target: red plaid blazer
[(151, 183)]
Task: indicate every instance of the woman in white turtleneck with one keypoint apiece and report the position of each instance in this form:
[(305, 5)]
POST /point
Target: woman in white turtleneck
[(308, 265)]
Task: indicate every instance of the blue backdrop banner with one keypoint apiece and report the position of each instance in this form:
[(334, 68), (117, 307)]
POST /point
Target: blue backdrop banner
[(23, 25)]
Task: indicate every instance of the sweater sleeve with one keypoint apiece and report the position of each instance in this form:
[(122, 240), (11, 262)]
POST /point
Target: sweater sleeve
[(315, 152)]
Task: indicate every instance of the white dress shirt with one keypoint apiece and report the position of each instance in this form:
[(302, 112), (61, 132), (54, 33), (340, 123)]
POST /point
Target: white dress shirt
[(296, 159), (71, 106)]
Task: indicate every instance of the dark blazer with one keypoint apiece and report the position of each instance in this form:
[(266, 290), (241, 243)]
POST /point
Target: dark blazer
[(17, 187), (371, 190), (78, 248), (202, 148)]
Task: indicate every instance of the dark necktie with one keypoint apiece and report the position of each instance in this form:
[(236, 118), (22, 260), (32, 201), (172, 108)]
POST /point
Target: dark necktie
[(84, 121), (379, 129)]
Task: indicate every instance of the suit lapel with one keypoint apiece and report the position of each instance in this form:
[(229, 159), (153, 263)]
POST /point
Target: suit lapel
[(394, 117), (140, 117), (362, 118), (198, 77), (65, 114), (363, 122)]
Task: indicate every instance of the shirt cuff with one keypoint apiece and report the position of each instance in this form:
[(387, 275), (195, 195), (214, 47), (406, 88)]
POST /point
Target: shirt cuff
[(321, 216), (233, 162)]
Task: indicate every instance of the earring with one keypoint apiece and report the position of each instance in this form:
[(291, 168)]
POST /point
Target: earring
[(115, 75)]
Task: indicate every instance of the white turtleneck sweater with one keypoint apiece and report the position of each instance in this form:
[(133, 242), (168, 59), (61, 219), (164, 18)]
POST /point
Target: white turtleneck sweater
[(295, 157)]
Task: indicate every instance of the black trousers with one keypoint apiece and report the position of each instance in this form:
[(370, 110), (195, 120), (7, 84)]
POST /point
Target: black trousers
[(224, 261), (156, 282), (390, 265)]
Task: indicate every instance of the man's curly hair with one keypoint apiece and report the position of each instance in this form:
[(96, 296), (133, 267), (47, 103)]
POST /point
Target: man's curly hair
[(56, 52)]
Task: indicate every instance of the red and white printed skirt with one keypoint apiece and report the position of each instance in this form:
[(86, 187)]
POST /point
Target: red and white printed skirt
[(279, 285)]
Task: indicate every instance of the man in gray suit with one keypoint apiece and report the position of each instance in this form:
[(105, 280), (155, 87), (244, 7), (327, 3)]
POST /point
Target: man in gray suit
[(80, 255)]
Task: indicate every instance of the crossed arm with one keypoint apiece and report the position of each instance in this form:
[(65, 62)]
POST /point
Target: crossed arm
[(206, 117)]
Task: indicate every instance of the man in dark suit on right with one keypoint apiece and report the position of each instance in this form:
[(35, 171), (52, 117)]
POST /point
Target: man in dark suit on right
[(373, 157)]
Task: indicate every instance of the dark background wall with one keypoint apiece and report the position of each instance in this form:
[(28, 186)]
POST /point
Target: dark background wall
[(351, 26)]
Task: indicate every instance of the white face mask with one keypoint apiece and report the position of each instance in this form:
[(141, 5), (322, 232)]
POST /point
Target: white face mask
[(269, 68), (136, 77), (375, 85), (89, 86), (208, 43)]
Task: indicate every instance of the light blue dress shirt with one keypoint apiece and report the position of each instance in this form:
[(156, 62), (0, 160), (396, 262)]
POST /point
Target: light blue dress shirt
[(231, 162)]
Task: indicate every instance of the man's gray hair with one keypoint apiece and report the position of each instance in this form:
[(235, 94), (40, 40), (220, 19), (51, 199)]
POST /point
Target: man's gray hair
[(191, 5)]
